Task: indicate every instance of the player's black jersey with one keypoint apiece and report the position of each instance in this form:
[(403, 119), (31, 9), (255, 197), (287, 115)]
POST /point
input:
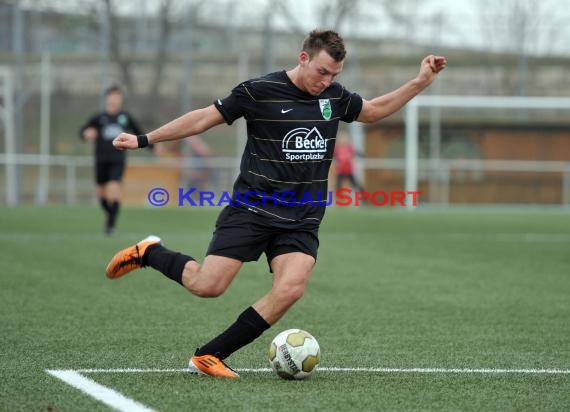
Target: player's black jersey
[(108, 127), (290, 143)]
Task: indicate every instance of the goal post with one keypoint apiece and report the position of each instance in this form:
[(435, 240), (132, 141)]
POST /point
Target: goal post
[(468, 102)]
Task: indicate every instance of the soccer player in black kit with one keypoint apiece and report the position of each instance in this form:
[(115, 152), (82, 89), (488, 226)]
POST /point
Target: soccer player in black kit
[(292, 119), (103, 128)]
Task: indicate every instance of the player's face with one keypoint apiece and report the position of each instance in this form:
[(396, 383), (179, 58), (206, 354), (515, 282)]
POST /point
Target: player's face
[(318, 72), (114, 103)]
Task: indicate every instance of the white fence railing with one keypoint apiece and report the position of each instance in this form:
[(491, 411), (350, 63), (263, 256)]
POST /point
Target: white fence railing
[(76, 183), (444, 170)]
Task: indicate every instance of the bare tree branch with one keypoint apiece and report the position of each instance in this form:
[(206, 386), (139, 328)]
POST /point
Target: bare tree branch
[(117, 56), (165, 28), (294, 24)]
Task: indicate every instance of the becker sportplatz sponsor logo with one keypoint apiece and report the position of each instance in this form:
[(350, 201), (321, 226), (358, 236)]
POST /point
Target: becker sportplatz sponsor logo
[(304, 144)]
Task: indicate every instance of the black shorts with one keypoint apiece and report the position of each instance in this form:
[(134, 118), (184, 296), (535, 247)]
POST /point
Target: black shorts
[(244, 235), (108, 171)]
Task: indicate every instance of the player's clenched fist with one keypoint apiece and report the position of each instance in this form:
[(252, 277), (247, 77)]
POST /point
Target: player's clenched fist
[(430, 67), (436, 63), (126, 141)]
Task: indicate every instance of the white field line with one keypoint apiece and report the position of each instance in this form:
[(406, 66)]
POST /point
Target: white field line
[(334, 369), (121, 403), (103, 394)]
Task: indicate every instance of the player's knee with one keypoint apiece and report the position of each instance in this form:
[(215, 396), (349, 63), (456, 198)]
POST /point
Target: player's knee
[(206, 291), (290, 294)]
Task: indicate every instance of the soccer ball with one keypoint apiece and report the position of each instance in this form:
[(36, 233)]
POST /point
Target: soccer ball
[(294, 354)]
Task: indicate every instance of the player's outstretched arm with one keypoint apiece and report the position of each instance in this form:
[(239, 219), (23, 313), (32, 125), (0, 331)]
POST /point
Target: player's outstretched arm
[(189, 124), (385, 105)]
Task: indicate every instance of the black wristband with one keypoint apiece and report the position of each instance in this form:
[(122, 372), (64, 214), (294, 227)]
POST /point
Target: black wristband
[(142, 139)]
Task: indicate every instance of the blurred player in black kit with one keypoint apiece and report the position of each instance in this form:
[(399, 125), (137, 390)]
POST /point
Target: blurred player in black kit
[(292, 121), (103, 128)]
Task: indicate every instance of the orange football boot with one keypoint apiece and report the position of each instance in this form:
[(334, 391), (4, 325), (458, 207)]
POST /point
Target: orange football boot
[(129, 258), (211, 366)]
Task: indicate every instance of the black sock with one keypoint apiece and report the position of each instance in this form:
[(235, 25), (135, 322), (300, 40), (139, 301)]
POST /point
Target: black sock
[(104, 205), (248, 327), (113, 212), (169, 263)]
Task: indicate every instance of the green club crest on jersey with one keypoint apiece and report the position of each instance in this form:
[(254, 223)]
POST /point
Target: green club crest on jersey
[(326, 109), (122, 120)]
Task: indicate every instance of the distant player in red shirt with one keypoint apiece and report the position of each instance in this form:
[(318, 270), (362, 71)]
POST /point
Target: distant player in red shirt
[(344, 154)]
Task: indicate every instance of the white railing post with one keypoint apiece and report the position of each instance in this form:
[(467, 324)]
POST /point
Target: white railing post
[(45, 128), (445, 181), (7, 92), (412, 152)]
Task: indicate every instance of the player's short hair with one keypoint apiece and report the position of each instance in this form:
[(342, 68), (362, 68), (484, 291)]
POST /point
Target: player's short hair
[(113, 89), (327, 40)]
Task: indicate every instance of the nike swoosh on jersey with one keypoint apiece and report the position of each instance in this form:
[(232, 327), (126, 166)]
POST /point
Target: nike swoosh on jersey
[(286, 111)]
